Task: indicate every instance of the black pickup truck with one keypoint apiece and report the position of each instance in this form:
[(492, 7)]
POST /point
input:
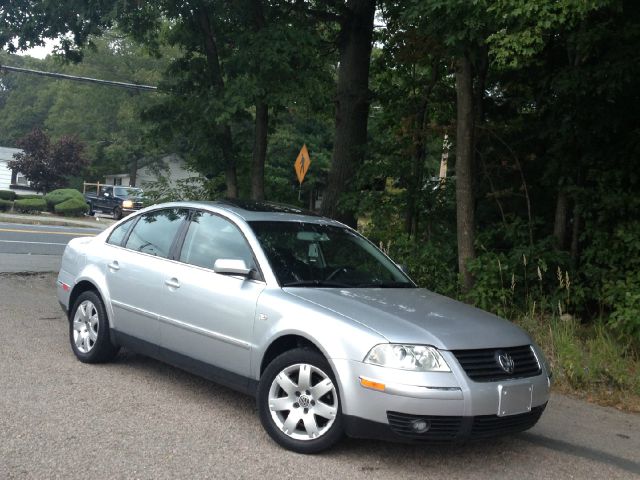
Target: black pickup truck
[(115, 200)]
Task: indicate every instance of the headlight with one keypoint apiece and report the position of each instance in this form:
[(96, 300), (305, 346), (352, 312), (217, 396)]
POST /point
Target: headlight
[(419, 358), (127, 204)]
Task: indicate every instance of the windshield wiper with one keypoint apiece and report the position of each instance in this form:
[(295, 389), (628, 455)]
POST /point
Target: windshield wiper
[(316, 283), (385, 285)]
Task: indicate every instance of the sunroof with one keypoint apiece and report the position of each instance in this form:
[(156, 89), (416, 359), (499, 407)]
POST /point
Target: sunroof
[(256, 206)]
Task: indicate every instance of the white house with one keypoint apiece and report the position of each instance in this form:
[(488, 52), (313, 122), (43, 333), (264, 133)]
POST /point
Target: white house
[(170, 167), (9, 180)]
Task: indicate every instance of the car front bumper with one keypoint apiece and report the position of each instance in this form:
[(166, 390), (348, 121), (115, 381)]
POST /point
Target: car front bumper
[(453, 406)]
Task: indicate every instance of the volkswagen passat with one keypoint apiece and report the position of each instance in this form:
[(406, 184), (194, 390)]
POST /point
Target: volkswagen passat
[(328, 333)]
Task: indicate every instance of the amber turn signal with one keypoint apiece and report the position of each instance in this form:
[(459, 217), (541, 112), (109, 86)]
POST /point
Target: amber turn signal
[(366, 383)]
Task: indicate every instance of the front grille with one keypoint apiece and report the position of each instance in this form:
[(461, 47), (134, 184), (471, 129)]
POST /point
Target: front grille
[(492, 425), (453, 429), (441, 428), (481, 365), (138, 205)]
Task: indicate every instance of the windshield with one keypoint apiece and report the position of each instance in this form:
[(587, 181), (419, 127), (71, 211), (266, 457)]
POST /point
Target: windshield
[(127, 192), (315, 255)]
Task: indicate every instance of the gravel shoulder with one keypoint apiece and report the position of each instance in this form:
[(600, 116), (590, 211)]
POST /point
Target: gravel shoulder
[(138, 418)]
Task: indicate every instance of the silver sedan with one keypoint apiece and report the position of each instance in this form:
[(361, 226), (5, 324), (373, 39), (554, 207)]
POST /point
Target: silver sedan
[(304, 313)]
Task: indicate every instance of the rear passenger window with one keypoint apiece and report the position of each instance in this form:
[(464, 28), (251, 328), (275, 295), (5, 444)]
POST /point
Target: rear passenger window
[(211, 237), (119, 233), (155, 231)]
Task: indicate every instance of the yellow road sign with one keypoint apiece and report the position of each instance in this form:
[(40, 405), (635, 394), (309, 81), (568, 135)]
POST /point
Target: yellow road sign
[(302, 163)]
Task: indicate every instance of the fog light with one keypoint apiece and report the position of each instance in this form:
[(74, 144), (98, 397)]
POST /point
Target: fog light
[(420, 425)]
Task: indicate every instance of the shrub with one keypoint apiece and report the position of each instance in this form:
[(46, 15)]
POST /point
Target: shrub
[(30, 205), (5, 205), (7, 195), (72, 207), (28, 196), (61, 195)]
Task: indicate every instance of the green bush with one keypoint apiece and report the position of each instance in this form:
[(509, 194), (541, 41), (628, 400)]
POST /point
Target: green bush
[(30, 205), (28, 196), (7, 195), (5, 205), (60, 196), (72, 207)]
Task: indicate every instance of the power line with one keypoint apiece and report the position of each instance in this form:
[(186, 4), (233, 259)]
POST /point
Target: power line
[(75, 78)]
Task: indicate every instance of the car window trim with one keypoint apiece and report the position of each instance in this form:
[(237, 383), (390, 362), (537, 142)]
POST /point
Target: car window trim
[(259, 275)]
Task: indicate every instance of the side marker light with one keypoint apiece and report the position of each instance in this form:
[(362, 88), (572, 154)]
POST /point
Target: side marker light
[(366, 383)]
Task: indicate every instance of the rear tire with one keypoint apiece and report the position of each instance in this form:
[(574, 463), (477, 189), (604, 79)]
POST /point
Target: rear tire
[(89, 330), (91, 212), (299, 402)]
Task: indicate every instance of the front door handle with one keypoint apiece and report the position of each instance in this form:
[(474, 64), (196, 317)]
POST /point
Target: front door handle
[(172, 283), (114, 266)]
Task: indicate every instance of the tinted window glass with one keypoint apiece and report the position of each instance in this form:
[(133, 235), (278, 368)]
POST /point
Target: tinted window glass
[(119, 233), (309, 254), (211, 237), (155, 231)]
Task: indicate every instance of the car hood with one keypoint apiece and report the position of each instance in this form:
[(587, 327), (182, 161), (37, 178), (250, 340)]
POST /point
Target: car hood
[(417, 316)]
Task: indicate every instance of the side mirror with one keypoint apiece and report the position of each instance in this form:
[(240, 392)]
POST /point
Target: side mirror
[(230, 266), (106, 194)]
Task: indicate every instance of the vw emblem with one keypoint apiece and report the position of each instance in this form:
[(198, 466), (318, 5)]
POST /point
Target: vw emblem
[(505, 361)]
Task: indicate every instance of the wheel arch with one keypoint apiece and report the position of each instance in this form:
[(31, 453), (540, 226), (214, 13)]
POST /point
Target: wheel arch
[(285, 343), (81, 287)]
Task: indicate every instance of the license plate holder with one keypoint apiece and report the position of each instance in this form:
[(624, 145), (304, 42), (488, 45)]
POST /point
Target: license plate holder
[(514, 399)]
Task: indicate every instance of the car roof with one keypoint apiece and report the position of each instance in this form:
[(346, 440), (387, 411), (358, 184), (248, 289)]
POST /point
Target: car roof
[(251, 210)]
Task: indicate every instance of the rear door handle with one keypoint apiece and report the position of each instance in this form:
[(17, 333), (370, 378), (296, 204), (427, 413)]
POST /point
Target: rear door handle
[(114, 265), (172, 283)]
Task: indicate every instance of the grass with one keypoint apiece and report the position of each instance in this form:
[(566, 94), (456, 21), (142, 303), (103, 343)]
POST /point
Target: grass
[(587, 361)]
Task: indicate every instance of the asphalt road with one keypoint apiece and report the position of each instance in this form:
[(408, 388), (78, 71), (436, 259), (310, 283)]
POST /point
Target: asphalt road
[(138, 418), (35, 248)]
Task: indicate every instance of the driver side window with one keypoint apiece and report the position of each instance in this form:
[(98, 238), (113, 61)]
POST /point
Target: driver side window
[(211, 237)]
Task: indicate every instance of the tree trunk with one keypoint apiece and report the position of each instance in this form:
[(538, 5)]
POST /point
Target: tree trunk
[(133, 172), (575, 236), (417, 164), (560, 222), (352, 106), (259, 150), (215, 72), (464, 168), (262, 118)]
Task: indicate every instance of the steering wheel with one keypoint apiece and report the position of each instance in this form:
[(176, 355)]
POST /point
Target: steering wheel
[(342, 269)]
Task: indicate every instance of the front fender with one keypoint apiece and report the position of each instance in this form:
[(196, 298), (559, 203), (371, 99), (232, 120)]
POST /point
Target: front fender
[(336, 336)]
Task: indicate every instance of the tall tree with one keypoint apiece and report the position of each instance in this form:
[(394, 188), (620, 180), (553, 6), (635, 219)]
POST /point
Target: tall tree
[(352, 105), (465, 148)]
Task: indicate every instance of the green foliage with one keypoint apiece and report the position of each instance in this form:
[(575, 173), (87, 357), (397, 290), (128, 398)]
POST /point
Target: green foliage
[(30, 205), (28, 196), (586, 358), (5, 205), (62, 195), (48, 165), (7, 195), (72, 207)]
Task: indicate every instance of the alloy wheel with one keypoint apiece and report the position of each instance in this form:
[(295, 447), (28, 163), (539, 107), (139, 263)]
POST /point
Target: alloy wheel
[(303, 401), (85, 326)]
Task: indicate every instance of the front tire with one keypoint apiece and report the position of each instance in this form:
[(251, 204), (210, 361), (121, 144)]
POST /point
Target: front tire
[(117, 213), (299, 402), (89, 330)]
